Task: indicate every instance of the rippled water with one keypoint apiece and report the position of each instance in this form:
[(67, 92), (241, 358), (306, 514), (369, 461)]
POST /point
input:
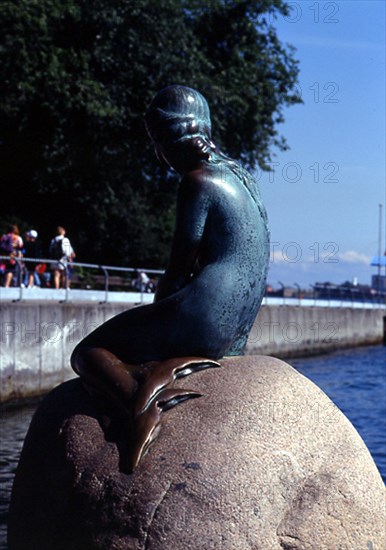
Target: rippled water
[(354, 379), (14, 424)]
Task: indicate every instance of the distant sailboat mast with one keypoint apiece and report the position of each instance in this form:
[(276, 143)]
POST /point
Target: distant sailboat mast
[(380, 232), (379, 247)]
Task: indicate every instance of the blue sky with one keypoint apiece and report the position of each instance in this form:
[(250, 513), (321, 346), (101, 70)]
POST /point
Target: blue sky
[(323, 197)]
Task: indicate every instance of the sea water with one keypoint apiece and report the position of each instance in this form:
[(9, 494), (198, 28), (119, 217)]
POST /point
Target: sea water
[(355, 380)]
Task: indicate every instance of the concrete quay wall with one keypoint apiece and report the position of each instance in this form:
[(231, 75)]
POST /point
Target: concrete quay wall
[(37, 339), (294, 331)]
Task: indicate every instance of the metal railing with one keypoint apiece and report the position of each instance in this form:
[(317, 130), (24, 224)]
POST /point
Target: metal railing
[(105, 269), (347, 295)]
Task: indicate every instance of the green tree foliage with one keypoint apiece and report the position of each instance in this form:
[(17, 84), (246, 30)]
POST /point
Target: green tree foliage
[(76, 78)]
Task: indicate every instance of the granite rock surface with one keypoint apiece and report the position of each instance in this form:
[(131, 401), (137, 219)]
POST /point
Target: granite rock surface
[(263, 460)]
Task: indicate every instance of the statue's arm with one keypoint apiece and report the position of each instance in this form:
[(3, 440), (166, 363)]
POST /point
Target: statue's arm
[(192, 210)]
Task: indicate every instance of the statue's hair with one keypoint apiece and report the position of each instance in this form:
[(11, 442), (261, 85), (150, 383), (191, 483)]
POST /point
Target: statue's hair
[(178, 113), (181, 115)]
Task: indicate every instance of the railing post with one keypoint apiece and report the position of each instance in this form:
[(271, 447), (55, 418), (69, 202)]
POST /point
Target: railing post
[(64, 264), (106, 275), (18, 279), (283, 289)]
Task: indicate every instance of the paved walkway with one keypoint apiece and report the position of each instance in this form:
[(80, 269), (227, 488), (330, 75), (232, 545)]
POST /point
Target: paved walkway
[(100, 296)]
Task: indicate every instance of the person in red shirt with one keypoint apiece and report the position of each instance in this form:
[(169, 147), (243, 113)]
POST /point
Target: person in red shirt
[(11, 245)]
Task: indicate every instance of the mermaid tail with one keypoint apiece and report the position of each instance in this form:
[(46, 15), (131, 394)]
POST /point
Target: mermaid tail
[(164, 373), (140, 392), (155, 396), (146, 426)]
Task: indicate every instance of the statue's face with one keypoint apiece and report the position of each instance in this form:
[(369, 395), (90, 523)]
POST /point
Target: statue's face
[(175, 143), (175, 114)]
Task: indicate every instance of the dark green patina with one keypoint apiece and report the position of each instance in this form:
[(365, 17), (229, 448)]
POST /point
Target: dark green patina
[(214, 283)]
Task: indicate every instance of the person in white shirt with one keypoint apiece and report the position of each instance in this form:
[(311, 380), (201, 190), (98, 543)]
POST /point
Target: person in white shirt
[(60, 250)]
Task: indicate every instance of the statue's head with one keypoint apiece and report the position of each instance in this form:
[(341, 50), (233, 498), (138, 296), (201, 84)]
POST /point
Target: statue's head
[(178, 119)]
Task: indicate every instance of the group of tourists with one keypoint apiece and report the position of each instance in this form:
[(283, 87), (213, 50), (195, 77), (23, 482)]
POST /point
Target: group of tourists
[(29, 272)]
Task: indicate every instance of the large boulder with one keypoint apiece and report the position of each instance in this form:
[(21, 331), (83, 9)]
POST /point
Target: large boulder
[(263, 461)]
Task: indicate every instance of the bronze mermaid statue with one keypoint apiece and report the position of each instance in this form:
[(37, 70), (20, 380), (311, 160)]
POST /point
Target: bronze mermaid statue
[(209, 296)]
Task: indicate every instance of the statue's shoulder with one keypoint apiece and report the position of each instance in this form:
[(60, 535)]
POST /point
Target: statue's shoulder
[(199, 180)]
